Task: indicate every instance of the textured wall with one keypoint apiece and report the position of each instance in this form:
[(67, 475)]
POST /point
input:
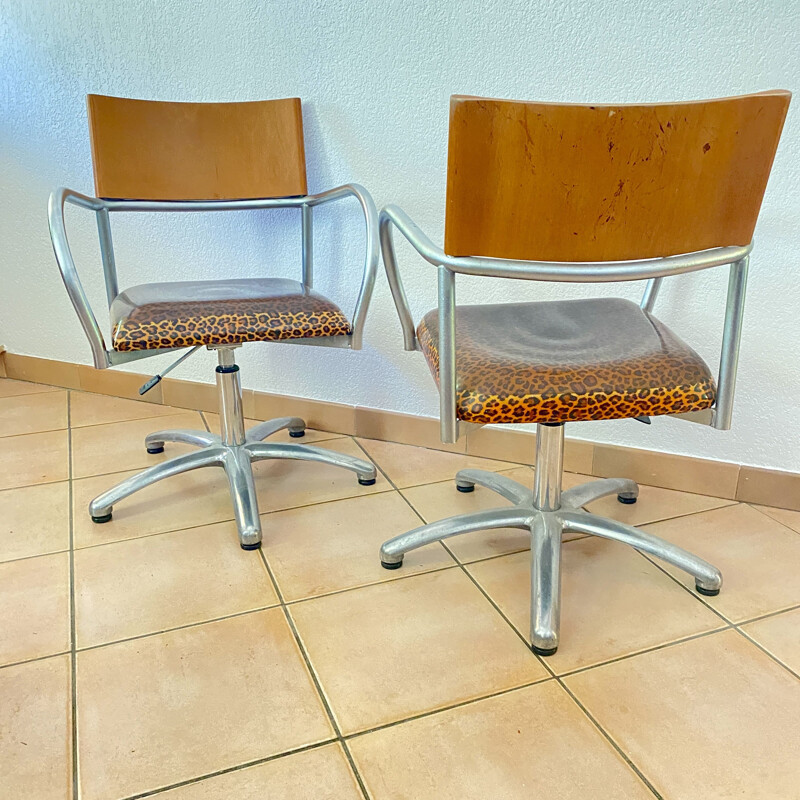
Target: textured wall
[(375, 78)]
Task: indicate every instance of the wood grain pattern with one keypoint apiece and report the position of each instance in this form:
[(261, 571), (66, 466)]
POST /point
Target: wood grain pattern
[(568, 182), (152, 150)]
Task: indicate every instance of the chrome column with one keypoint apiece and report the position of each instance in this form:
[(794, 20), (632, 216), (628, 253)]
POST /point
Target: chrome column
[(549, 465), (231, 415)]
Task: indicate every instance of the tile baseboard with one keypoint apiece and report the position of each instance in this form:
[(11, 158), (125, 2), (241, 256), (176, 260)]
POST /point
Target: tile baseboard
[(685, 473)]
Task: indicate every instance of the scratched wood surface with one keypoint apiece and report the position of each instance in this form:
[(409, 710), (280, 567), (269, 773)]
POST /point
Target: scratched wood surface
[(151, 150), (559, 182)]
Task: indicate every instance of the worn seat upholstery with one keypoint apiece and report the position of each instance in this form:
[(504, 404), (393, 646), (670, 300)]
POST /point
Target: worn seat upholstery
[(183, 314), (567, 361)]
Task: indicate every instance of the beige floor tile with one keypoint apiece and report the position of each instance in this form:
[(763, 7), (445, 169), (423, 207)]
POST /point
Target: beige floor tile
[(395, 649), (33, 413), (786, 517), (321, 774), (33, 458), (285, 484), (35, 731), (529, 743), (195, 498), (758, 557), (98, 409), (780, 635), (613, 602), (684, 473), (12, 388), (34, 520), (769, 487), (34, 598), (146, 585), (331, 546), (100, 449), (407, 465), (390, 426), (311, 436), (42, 370), (713, 716), (116, 383), (167, 708)]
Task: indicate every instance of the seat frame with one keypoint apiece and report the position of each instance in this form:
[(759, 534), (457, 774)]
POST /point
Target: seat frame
[(234, 449), (544, 510)]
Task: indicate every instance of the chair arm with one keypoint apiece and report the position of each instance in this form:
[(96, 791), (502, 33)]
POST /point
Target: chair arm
[(371, 257), (69, 273)]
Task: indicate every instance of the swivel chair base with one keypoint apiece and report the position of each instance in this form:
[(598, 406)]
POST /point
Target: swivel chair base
[(234, 450), (547, 514)]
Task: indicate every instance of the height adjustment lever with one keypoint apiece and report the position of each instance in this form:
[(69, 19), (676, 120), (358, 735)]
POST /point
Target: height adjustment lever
[(156, 379)]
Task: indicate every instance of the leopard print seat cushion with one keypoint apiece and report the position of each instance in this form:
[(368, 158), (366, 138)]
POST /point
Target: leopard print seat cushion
[(155, 316), (567, 361)]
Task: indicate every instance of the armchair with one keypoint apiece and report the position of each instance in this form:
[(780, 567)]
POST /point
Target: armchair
[(179, 157)]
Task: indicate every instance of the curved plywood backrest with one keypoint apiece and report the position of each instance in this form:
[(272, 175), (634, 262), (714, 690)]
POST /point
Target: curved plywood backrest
[(150, 150), (558, 182)]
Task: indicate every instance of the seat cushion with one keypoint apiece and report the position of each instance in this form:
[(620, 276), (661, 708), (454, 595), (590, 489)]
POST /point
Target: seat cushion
[(154, 316), (568, 360)]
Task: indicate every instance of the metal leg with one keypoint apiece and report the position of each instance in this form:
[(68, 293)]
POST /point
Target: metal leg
[(708, 578), (545, 583), (154, 442), (243, 495), (296, 426), (392, 552), (263, 450), (100, 507), (504, 486), (589, 492)]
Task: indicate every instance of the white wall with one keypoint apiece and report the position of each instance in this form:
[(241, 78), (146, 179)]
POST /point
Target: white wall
[(375, 78)]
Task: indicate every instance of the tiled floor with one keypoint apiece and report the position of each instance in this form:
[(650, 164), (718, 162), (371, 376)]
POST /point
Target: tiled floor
[(153, 657)]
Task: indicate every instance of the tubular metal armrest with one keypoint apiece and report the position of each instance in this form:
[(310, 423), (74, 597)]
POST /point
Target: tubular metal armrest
[(101, 355), (653, 270)]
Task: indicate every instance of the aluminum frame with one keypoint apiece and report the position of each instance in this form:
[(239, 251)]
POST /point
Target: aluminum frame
[(652, 270), (102, 356)]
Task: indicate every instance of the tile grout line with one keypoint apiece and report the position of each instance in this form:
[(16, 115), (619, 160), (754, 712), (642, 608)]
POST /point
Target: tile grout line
[(730, 623), (73, 620), (541, 660), (314, 677), (561, 683), (763, 513), (764, 650), (226, 770)]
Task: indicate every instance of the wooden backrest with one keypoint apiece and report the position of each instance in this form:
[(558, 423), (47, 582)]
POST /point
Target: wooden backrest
[(150, 150), (559, 182)]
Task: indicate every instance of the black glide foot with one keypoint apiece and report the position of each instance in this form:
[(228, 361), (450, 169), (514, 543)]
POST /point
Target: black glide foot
[(255, 546), (154, 450), (706, 592), (465, 489), (367, 481), (393, 565), (296, 434), (541, 651), (103, 518), (628, 501)]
